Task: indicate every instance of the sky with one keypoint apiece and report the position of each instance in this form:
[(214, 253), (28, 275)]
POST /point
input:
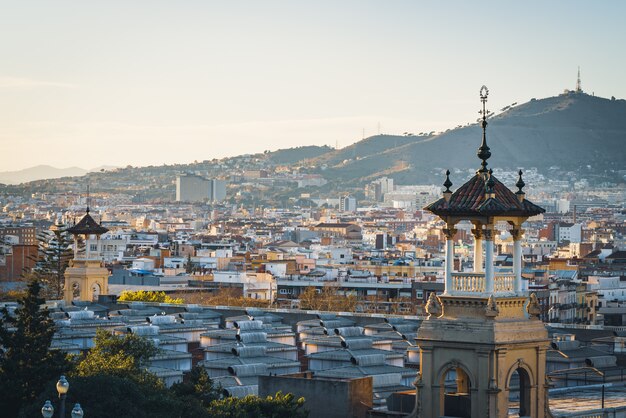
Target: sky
[(129, 82)]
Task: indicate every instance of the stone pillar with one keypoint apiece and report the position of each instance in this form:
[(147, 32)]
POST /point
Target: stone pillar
[(75, 246), (517, 259), (87, 247), (489, 273), (428, 401), (449, 233), (478, 249)]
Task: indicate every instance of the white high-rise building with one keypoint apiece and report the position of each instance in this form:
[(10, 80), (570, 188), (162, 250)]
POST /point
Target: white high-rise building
[(347, 204), (217, 190), (191, 188)]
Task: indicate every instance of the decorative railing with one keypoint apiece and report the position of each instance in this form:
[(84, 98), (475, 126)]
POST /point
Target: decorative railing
[(476, 283), (504, 283), (468, 283)]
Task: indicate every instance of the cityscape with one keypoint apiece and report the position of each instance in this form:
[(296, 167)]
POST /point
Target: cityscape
[(467, 266)]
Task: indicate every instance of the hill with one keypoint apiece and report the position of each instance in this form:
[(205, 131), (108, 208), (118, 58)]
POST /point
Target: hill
[(569, 131), (42, 172), (293, 155), (39, 172), (574, 132)]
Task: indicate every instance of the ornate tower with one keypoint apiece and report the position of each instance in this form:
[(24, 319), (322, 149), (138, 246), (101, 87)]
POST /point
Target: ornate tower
[(482, 337), (86, 277)]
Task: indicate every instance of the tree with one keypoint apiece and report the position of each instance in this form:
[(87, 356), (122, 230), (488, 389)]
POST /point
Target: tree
[(106, 396), (147, 296), (54, 255), (199, 386), (309, 299), (278, 406), (224, 296), (112, 380), (26, 362), (328, 299), (189, 265), (118, 356), (11, 295)]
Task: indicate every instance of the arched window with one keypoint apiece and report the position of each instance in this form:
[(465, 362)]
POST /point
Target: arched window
[(96, 291), (455, 395), (75, 290), (519, 393)]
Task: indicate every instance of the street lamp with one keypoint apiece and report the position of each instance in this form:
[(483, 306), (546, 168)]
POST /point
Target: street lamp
[(77, 412), (48, 410), (62, 387)]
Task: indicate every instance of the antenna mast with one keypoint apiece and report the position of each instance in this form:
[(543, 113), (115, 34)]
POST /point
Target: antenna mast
[(578, 87), (88, 198)]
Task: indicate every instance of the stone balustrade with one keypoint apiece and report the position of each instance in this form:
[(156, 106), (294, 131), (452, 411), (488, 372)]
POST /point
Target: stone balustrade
[(468, 283), (504, 283), (471, 283)]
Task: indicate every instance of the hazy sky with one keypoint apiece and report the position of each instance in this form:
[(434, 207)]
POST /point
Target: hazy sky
[(89, 83)]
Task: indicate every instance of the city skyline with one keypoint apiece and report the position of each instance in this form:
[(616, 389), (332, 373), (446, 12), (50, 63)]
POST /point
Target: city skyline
[(153, 83)]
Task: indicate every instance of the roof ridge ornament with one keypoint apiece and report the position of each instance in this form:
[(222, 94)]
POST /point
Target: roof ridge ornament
[(490, 183), (520, 185), (483, 151), (447, 183)]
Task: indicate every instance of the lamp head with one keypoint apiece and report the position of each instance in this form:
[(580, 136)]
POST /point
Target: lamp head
[(48, 410), (77, 412), (62, 386)]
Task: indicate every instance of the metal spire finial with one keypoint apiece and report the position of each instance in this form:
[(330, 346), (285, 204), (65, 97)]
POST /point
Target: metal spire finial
[(87, 198), (483, 151), (447, 183), (520, 184)]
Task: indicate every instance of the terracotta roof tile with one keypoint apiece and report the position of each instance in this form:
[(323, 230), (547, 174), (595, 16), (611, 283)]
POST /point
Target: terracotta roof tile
[(470, 199)]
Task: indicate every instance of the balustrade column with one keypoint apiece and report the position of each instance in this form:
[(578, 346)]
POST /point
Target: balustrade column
[(489, 273), (517, 259), (449, 234)]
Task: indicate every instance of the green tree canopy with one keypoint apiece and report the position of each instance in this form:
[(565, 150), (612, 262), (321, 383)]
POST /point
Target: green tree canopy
[(26, 361), (106, 396), (278, 406), (199, 386), (146, 296), (53, 258), (118, 356)]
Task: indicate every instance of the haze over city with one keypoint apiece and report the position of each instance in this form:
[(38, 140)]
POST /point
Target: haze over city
[(145, 83)]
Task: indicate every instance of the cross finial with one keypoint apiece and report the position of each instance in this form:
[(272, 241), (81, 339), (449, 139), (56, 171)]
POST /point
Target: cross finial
[(483, 151)]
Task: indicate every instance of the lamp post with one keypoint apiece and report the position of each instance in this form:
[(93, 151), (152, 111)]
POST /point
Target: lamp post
[(62, 387), (77, 412), (48, 410)]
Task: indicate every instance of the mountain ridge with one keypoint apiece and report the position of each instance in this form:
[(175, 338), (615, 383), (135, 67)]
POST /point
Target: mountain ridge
[(43, 172), (570, 131)]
